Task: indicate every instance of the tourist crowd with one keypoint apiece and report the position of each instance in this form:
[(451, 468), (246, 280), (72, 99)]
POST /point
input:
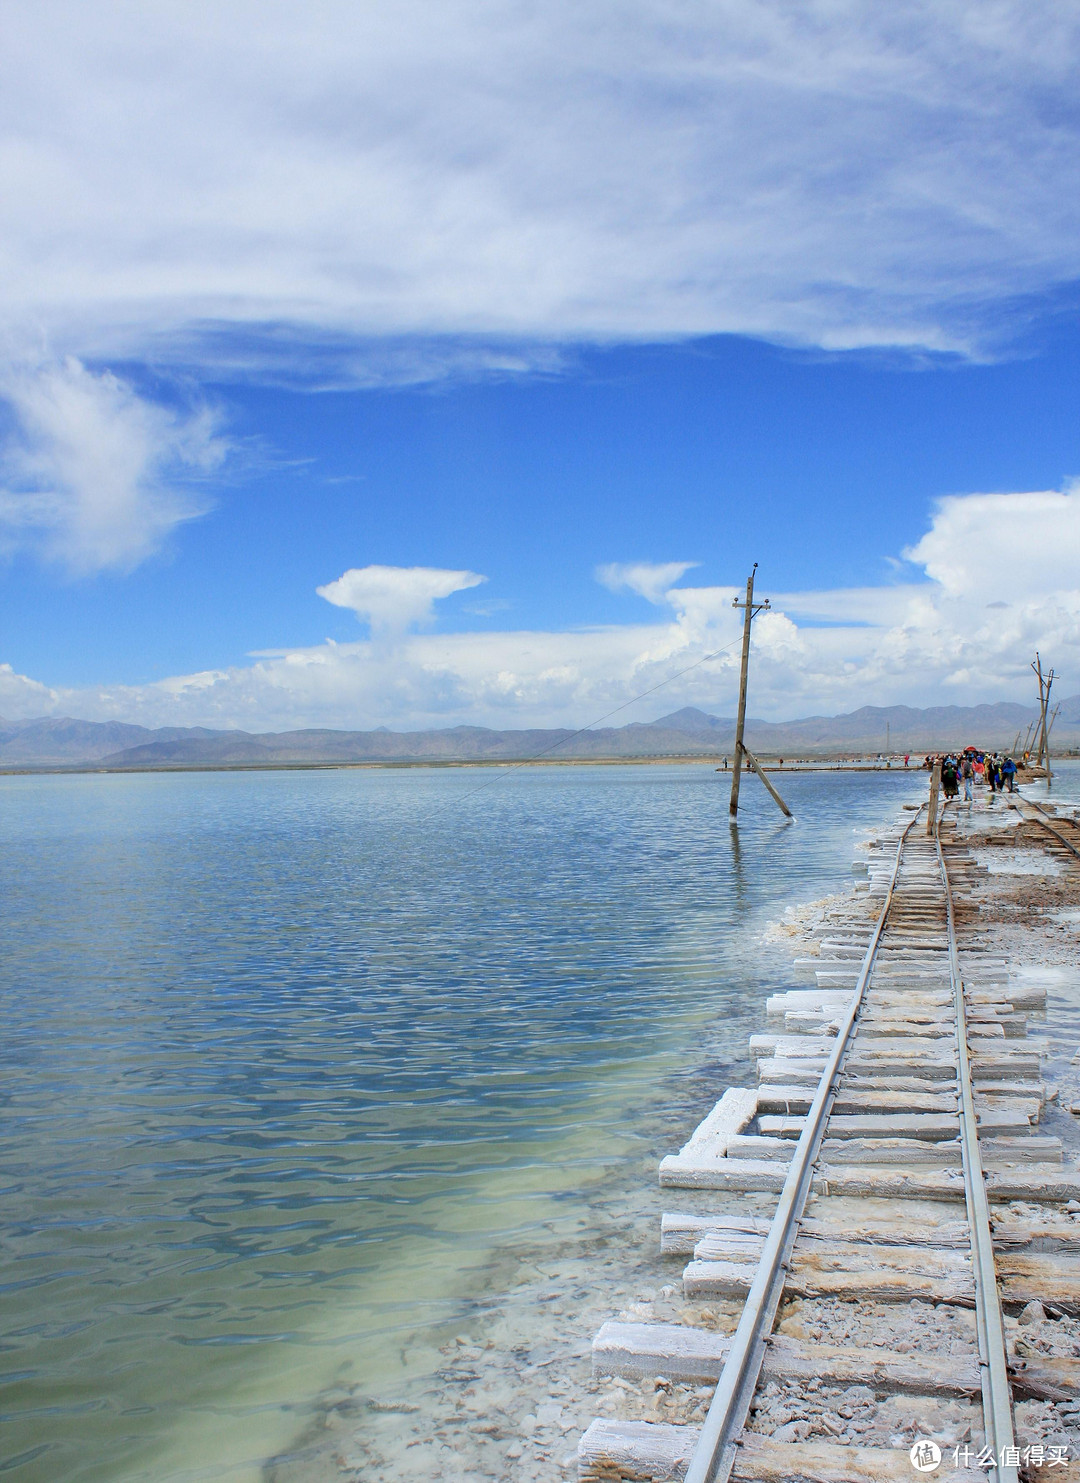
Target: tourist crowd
[(970, 767)]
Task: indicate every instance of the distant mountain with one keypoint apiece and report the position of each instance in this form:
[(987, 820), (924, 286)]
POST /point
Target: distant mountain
[(905, 727), (690, 720), (455, 743), (1070, 712), (65, 741)]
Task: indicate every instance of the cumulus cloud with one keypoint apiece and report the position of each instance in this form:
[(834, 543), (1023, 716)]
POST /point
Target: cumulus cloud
[(21, 696), (842, 174), (393, 598), (650, 579), (913, 642), (92, 475), (1004, 547)]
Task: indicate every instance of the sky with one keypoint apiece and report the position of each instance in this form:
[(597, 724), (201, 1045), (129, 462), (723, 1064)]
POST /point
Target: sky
[(439, 364)]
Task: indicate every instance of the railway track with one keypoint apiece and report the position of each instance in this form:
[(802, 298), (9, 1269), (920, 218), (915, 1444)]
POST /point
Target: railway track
[(896, 1121), (1064, 831)]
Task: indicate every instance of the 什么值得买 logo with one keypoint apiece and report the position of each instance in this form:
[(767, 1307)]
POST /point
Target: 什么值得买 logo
[(925, 1456)]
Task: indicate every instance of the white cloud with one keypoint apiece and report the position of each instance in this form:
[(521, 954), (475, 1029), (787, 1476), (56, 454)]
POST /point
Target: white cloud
[(393, 598), (1002, 547), (92, 475), (650, 579), (841, 173), (914, 643), (21, 697)]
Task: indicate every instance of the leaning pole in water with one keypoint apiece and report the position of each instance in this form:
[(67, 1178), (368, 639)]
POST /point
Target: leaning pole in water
[(740, 724)]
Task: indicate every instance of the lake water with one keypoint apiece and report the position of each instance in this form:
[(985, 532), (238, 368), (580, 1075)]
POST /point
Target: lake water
[(287, 1056)]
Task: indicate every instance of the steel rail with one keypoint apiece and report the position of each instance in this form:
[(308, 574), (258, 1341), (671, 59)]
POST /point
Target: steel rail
[(990, 1327), (714, 1454), (1045, 822)]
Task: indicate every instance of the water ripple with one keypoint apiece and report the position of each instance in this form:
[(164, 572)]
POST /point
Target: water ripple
[(286, 1055)]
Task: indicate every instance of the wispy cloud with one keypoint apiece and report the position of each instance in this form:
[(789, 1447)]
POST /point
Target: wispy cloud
[(361, 193), (939, 634), (649, 579), (92, 475)]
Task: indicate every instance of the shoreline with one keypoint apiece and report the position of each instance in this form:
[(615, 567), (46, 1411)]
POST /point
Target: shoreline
[(843, 763), (510, 1389)]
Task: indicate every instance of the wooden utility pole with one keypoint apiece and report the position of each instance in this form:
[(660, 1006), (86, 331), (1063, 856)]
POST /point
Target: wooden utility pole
[(756, 765), (1045, 681), (751, 609), (740, 723), (935, 789), (1051, 718)]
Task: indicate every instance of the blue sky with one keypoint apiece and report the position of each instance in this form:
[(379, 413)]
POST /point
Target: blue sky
[(722, 452), (517, 297)]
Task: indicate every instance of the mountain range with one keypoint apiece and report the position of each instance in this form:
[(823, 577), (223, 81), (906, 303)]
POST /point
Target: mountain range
[(58, 742)]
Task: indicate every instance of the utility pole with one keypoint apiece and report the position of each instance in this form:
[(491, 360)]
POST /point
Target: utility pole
[(935, 789), (740, 723), (1045, 681), (751, 610), (1051, 718)]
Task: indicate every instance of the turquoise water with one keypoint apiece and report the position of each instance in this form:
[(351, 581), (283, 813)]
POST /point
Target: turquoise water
[(288, 1055)]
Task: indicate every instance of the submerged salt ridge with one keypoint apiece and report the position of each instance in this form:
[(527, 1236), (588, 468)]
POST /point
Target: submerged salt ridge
[(293, 1059)]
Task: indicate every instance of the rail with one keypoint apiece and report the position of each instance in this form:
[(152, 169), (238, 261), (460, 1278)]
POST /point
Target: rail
[(1043, 819), (990, 1327), (714, 1454)]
